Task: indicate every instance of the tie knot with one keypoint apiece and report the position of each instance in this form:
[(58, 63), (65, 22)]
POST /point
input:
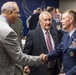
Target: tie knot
[(47, 32), (68, 35)]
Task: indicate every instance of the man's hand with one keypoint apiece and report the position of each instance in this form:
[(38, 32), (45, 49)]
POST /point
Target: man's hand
[(44, 58), (26, 70), (62, 74)]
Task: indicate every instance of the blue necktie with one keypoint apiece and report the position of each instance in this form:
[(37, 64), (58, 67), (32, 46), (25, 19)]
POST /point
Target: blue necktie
[(68, 38)]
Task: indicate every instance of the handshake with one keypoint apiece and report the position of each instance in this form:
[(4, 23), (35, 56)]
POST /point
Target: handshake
[(44, 58)]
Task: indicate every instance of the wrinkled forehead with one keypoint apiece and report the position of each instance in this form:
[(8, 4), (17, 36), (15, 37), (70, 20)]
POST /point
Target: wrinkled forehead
[(65, 15), (16, 7), (46, 15)]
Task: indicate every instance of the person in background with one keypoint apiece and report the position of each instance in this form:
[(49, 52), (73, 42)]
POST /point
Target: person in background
[(58, 17), (32, 21), (67, 47), (36, 43), (10, 50), (58, 12)]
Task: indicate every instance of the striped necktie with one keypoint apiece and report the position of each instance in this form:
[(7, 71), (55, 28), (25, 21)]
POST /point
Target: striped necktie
[(48, 40)]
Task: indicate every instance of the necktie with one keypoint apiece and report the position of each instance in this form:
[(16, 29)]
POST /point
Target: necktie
[(67, 41), (49, 45), (68, 37)]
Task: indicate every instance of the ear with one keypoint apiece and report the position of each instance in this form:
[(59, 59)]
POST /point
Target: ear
[(71, 19)]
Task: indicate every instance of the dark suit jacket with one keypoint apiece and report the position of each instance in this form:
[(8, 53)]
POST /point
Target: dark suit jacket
[(68, 53), (54, 26), (33, 21), (35, 45)]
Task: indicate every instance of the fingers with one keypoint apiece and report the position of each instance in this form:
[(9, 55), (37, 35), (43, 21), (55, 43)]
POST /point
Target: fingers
[(26, 70), (44, 58), (62, 74)]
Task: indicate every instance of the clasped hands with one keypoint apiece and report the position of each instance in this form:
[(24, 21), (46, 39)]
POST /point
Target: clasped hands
[(44, 58)]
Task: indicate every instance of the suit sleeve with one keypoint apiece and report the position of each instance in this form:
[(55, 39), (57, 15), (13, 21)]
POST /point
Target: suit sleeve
[(14, 51), (57, 53), (28, 45), (72, 71)]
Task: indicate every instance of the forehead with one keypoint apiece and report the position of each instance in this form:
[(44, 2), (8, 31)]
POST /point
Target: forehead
[(16, 7), (46, 15), (65, 15)]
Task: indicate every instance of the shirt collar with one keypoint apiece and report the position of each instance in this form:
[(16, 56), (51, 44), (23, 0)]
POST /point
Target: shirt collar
[(71, 33), (5, 19), (44, 31)]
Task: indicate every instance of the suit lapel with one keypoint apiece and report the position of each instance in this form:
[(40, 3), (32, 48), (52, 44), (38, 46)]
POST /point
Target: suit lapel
[(41, 36), (54, 38), (64, 41), (66, 45)]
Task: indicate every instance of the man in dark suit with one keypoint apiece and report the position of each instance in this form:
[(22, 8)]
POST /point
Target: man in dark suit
[(67, 47), (36, 44)]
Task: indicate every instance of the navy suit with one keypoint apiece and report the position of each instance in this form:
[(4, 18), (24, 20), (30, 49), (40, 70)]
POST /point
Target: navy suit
[(35, 45), (68, 53), (54, 25)]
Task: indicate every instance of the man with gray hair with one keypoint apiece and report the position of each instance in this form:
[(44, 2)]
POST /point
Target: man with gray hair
[(10, 51), (37, 43)]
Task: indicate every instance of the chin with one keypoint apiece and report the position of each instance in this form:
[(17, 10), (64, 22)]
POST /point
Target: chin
[(64, 27), (12, 22), (47, 28)]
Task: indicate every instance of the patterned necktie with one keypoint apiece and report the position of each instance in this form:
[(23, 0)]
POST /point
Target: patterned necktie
[(49, 45)]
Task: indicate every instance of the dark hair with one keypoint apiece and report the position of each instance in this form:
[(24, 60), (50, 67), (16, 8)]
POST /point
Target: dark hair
[(50, 9)]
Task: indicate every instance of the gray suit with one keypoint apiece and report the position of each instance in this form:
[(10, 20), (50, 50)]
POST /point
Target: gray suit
[(10, 51), (18, 28)]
